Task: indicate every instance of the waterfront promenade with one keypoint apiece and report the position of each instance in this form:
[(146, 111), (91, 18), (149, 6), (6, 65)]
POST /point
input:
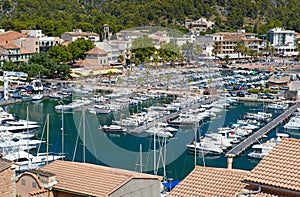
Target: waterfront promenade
[(241, 147)]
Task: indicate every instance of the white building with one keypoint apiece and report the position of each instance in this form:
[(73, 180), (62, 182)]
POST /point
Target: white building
[(113, 51), (78, 33), (283, 41), (33, 33), (47, 42)]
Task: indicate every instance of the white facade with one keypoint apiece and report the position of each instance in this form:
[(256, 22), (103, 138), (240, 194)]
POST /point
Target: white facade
[(112, 50), (33, 33), (283, 41)]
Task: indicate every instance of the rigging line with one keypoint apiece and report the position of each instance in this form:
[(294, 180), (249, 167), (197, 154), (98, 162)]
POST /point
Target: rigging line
[(76, 144), (44, 128), (94, 149)]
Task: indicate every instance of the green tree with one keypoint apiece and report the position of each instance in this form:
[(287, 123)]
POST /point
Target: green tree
[(239, 48), (60, 54), (143, 48), (79, 47), (216, 49)]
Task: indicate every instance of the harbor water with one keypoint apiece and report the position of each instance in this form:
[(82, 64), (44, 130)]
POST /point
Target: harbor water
[(123, 150)]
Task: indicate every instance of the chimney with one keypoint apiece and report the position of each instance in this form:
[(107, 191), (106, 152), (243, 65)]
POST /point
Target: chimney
[(229, 162)]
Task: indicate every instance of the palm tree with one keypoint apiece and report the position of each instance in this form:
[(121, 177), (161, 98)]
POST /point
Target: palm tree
[(148, 73), (216, 49), (226, 59), (239, 48), (109, 74), (168, 80), (128, 74)]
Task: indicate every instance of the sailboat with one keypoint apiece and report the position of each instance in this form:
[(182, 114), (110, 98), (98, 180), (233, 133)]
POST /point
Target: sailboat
[(24, 160)]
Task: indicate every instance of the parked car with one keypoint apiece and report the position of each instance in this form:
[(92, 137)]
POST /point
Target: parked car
[(261, 96), (285, 88), (270, 96), (240, 94)]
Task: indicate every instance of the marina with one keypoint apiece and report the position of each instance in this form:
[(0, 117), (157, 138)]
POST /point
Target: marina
[(263, 131)]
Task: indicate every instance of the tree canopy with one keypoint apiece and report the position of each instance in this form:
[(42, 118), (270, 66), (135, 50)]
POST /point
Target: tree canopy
[(57, 16)]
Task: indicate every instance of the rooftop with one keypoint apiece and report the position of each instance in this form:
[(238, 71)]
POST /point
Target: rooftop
[(4, 164), (206, 181), (96, 51), (89, 179), (9, 36), (280, 168)]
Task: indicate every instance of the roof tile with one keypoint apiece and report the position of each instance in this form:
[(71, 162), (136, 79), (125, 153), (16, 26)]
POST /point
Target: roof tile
[(280, 168), (205, 181), (73, 176)]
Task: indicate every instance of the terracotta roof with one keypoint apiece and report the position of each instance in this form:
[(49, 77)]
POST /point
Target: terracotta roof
[(85, 63), (90, 179), (4, 164), (96, 51), (206, 181), (37, 192), (9, 46), (9, 36), (280, 168)]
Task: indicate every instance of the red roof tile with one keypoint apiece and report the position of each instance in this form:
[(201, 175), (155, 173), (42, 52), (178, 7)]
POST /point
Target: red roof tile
[(89, 179), (4, 164), (96, 51), (280, 168), (206, 181), (9, 36)]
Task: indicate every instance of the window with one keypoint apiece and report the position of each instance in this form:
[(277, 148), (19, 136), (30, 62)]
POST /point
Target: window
[(36, 43), (33, 184), (23, 182)]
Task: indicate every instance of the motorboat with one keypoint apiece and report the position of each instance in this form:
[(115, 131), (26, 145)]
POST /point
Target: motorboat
[(205, 148), (112, 128), (100, 109), (278, 106), (293, 124), (260, 150), (37, 97), (159, 132), (24, 160)]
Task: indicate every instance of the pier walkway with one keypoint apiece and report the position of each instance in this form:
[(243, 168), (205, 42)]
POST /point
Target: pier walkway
[(141, 129), (238, 149)]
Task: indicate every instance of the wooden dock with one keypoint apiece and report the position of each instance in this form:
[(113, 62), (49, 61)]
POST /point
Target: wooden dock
[(141, 129), (238, 149)]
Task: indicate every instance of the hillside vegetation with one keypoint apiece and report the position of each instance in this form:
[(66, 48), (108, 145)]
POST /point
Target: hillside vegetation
[(57, 16)]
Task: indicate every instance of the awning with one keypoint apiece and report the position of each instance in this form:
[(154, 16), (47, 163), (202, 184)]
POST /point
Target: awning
[(171, 185), (74, 75)]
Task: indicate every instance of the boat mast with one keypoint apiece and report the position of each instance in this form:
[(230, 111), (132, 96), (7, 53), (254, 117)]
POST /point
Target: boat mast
[(83, 117), (154, 154), (62, 131), (164, 158), (27, 137), (195, 142), (141, 159), (47, 141)]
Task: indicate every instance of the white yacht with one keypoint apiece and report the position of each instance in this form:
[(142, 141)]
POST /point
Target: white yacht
[(260, 150), (278, 106), (24, 160), (293, 124), (112, 128), (205, 148)]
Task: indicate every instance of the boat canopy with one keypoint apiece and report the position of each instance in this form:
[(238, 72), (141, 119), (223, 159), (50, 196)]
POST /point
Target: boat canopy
[(171, 185)]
